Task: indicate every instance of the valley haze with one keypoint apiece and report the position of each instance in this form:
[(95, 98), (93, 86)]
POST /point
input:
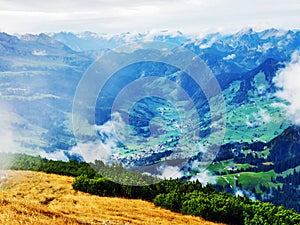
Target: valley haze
[(256, 70), (40, 73)]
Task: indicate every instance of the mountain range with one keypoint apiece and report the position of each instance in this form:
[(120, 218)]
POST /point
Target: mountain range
[(39, 75)]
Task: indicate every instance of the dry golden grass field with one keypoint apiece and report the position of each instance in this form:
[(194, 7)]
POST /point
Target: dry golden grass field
[(38, 198)]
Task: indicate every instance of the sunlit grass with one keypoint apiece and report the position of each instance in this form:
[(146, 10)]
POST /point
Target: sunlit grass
[(39, 198)]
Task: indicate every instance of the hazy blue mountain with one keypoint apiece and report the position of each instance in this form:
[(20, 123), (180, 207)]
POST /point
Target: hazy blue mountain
[(224, 53), (40, 73), (89, 41), (38, 79)]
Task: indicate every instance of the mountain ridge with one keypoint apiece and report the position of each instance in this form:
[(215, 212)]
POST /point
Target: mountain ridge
[(60, 69)]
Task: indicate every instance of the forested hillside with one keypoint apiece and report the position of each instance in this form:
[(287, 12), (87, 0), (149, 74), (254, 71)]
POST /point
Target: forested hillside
[(36, 198), (185, 197)]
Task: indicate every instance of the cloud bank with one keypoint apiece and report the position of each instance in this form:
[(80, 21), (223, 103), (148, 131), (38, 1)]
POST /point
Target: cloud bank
[(167, 172), (288, 80), (105, 149), (205, 177), (120, 16)]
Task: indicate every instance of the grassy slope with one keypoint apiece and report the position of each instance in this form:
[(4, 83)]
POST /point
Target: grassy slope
[(39, 198)]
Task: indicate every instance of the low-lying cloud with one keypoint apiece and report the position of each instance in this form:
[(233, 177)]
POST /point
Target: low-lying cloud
[(288, 81), (57, 155), (110, 133), (7, 141), (242, 193), (167, 172), (8, 144), (205, 177), (258, 119)]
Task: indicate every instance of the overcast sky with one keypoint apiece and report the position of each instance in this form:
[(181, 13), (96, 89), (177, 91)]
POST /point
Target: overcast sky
[(117, 16)]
